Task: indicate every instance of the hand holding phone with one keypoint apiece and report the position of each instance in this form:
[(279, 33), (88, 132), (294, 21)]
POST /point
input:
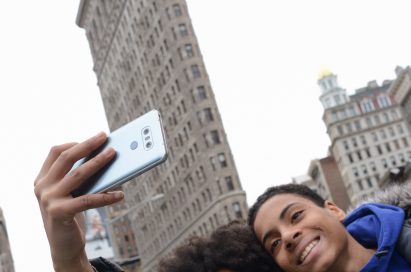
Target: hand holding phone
[(140, 145), (61, 213)]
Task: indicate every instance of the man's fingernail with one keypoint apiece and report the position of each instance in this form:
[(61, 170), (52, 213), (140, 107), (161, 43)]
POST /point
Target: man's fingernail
[(99, 135), (118, 195), (108, 151)]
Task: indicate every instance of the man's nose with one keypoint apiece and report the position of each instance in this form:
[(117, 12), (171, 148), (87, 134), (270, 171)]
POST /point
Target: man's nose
[(291, 238)]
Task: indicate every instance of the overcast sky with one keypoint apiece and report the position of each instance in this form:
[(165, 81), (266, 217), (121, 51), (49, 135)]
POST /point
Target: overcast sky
[(263, 58)]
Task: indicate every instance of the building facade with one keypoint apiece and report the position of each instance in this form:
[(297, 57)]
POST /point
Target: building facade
[(6, 259), (146, 56), (326, 174), (368, 133)]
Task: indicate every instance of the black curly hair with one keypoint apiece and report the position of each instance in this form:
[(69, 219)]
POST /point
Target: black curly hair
[(232, 246), (290, 188)]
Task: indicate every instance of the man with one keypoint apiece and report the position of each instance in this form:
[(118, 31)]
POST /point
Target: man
[(303, 232)]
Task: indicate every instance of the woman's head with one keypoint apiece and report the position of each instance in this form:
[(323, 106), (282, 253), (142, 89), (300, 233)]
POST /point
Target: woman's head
[(232, 247)]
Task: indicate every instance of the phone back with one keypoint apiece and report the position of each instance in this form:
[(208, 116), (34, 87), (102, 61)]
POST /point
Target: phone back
[(140, 145)]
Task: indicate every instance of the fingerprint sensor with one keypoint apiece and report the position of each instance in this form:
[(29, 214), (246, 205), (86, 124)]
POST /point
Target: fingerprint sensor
[(133, 145)]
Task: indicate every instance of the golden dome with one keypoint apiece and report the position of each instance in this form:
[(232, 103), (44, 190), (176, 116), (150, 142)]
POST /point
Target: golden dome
[(325, 72)]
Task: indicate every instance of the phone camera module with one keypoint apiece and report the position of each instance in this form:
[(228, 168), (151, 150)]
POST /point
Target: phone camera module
[(147, 138)]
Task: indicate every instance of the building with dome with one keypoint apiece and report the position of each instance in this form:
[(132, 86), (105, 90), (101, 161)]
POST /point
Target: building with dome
[(368, 133)]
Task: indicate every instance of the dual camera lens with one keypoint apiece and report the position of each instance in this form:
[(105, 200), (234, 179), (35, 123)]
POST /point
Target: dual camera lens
[(147, 138)]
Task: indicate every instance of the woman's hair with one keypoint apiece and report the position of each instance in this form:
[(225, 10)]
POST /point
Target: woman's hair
[(232, 246)]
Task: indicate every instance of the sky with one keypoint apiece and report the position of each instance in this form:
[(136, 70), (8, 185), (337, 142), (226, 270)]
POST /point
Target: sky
[(263, 58)]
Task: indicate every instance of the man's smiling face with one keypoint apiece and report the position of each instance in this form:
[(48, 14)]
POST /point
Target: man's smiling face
[(300, 235)]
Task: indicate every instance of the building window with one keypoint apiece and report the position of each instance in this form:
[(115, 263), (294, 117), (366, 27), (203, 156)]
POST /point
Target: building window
[(201, 92), (382, 134), (383, 101), (388, 147), (369, 122), (345, 144), (237, 210), (384, 163), (229, 183), (400, 129), (369, 183), (215, 137), (363, 141), (195, 70), (177, 10), (391, 131), (222, 160), (359, 182), (355, 171), (357, 124), (183, 30), (379, 150), (188, 49), (208, 114), (374, 136), (366, 105)]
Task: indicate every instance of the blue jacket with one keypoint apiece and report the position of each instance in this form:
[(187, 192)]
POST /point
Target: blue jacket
[(376, 225)]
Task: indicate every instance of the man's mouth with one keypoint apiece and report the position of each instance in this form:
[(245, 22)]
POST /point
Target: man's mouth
[(307, 250)]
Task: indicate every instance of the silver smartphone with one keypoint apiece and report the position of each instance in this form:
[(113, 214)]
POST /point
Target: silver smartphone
[(140, 145)]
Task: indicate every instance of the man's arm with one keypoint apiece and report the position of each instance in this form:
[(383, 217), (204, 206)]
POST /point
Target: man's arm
[(61, 213)]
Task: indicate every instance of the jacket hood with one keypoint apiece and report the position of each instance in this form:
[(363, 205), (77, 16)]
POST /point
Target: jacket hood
[(397, 195)]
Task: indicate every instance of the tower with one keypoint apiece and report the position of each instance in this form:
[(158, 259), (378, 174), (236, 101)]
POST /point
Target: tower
[(331, 93), (145, 56)]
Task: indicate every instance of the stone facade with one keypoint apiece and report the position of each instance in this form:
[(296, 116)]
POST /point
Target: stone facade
[(6, 259), (146, 56)]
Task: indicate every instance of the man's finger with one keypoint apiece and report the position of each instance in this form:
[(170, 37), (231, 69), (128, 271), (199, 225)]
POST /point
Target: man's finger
[(65, 161), (54, 153), (86, 202), (76, 177)]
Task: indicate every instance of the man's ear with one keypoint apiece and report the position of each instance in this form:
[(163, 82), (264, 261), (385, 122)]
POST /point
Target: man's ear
[(335, 210)]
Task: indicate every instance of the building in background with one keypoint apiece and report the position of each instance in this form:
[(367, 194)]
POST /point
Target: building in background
[(6, 259), (146, 56), (323, 176), (368, 133), (400, 89)]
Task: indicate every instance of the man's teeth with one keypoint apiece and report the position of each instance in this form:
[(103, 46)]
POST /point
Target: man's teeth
[(307, 250)]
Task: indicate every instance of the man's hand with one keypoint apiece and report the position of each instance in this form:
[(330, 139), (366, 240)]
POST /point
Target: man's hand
[(61, 213)]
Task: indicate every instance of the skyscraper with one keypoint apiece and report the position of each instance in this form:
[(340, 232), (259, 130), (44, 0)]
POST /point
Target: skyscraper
[(146, 55), (6, 259), (368, 133)]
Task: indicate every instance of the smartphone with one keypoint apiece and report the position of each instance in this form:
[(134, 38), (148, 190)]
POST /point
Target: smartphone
[(140, 145)]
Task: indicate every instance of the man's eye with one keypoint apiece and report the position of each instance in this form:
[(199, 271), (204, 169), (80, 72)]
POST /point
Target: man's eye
[(274, 245), (296, 216)]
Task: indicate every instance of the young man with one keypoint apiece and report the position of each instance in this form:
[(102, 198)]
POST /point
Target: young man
[(305, 233)]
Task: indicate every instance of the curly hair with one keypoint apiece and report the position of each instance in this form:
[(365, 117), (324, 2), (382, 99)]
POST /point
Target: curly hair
[(232, 246), (290, 188)]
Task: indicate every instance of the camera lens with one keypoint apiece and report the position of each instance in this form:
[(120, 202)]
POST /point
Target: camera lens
[(149, 145), (146, 131)]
